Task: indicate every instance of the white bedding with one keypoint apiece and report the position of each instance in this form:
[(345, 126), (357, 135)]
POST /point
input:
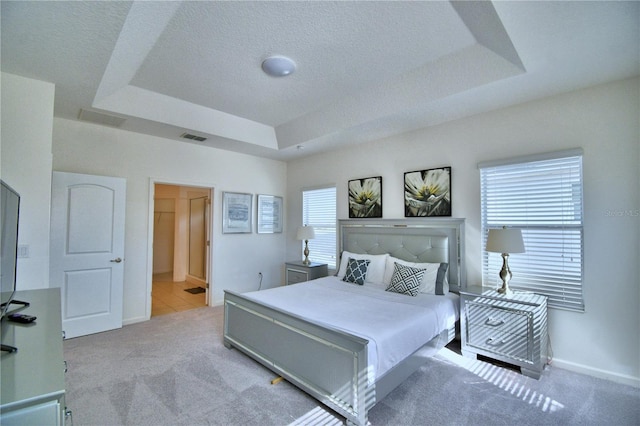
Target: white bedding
[(395, 325)]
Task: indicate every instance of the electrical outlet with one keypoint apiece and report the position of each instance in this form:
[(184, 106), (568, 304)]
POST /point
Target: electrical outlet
[(23, 251)]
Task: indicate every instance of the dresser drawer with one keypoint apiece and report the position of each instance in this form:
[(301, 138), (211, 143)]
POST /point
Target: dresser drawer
[(497, 318)]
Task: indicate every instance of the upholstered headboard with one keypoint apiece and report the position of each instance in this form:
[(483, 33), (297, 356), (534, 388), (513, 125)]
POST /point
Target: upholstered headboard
[(414, 240)]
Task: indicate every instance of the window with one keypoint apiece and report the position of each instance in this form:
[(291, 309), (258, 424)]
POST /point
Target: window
[(319, 211), (541, 195)]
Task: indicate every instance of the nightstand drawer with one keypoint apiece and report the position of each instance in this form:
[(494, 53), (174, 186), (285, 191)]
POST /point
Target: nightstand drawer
[(497, 318), (500, 342), (295, 277)]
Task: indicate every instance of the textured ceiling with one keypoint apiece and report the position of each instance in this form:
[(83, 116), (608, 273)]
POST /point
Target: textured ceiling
[(365, 70)]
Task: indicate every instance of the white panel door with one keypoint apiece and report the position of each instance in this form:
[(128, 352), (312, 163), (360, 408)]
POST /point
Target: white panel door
[(87, 250)]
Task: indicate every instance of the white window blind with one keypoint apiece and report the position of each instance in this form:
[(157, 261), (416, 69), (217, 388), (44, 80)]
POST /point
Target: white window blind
[(543, 197), (319, 211)]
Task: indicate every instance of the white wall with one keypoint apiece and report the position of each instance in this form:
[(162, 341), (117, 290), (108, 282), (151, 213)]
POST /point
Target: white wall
[(603, 120), (27, 117), (237, 258)]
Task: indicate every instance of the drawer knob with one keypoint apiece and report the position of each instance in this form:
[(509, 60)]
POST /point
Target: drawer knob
[(494, 322)]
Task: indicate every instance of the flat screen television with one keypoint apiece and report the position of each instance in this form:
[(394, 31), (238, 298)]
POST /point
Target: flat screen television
[(9, 213)]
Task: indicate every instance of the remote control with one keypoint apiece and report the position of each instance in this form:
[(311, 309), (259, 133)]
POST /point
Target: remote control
[(21, 318)]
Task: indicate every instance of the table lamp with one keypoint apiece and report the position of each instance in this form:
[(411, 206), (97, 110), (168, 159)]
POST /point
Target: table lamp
[(505, 241), (306, 233)]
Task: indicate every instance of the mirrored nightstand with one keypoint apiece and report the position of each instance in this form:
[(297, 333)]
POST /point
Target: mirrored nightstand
[(512, 329), (297, 272)]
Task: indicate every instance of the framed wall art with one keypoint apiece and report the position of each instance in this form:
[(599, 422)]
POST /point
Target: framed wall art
[(427, 193), (269, 214), (236, 213), (365, 197)]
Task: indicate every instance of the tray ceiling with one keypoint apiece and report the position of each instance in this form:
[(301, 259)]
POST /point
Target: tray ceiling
[(365, 70)]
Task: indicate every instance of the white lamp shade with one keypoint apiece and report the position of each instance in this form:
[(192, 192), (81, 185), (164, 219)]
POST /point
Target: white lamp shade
[(505, 240), (306, 233)]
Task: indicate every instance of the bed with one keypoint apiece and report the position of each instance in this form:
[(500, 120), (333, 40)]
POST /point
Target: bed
[(349, 345)]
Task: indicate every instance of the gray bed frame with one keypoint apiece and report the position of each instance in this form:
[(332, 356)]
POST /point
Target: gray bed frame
[(329, 364)]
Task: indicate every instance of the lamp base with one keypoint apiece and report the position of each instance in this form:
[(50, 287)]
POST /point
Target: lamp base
[(306, 260), (505, 289), (505, 276)]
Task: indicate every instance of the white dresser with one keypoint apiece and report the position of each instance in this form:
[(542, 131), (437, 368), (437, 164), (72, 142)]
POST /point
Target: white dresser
[(512, 329), (32, 379)]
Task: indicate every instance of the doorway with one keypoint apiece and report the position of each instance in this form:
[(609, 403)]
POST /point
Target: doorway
[(181, 241)]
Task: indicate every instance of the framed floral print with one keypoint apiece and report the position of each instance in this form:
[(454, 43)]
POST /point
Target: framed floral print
[(365, 197), (236, 213), (427, 193)]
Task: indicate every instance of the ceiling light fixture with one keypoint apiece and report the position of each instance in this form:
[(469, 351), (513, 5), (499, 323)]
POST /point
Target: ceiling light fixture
[(278, 66)]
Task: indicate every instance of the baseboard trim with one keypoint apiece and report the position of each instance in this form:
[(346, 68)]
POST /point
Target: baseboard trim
[(195, 280), (134, 320), (599, 373)]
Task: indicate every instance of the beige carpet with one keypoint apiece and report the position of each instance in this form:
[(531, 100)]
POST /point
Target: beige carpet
[(174, 370)]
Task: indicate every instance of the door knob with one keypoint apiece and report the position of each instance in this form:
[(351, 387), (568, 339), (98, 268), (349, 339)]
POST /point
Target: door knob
[(116, 260)]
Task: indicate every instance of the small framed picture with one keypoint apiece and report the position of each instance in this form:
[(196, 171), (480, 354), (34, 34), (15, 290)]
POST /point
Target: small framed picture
[(236, 213), (427, 193), (365, 197), (269, 214)]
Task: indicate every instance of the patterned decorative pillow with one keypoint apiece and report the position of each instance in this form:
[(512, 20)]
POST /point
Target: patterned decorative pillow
[(375, 271), (434, 280), (356, 271), (406, 280)]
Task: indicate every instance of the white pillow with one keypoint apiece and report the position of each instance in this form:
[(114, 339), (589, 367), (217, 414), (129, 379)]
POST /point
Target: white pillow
[(428, 280), (375, 271)]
